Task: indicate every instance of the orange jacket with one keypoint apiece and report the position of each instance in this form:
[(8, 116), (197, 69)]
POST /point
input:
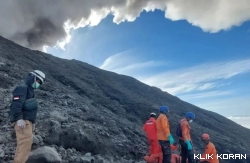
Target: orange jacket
[(150, 129), (163, 128), (185, 129), (154, 158), (210, 151)]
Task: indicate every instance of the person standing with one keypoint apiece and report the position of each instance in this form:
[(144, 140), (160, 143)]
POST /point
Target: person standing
[(151, 133), (163, 134), (23, 111), (183, 131)]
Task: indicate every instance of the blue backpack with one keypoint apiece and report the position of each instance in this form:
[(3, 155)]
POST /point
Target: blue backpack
[(178, 130)]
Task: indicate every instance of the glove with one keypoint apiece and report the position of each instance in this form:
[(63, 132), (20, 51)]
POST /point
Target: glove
[(21, 123), (170, 138), (189, 145)]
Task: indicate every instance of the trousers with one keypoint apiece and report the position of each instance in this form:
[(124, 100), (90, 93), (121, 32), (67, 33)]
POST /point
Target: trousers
[(185, 153), (154, 146), (24, 142), (166, 151)]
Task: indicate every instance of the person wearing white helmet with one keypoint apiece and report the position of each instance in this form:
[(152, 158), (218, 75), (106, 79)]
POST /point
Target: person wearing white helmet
[(151, 133), (23, 112)]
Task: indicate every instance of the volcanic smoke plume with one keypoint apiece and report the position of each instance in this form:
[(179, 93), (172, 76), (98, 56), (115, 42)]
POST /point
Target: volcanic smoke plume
[(39, 23)]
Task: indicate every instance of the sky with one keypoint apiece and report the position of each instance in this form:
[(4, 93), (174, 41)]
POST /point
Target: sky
[(209, 70), (196, 51)]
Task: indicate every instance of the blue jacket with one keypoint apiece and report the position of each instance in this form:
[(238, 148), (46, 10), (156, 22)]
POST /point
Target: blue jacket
[(18, 107)]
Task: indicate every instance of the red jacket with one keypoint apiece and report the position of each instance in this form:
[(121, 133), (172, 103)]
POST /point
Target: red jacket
[(150, 129)]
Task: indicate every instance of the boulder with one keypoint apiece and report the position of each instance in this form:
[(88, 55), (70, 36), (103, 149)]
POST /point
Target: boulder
[(1, 153), (44, 155)]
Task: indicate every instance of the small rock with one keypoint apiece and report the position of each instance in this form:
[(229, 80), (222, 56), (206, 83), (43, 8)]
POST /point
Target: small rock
[(35, 140), (39, 138), (65, 103), (44, 155), (58, 116), (3, 140), (2, 154), (88, 155), (61, 149), (87, 158)]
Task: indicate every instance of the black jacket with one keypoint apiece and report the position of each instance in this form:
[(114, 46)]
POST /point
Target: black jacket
[(21, 94)]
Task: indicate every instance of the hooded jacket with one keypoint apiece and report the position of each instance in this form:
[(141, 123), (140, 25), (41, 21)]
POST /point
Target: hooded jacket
[(19, 108)]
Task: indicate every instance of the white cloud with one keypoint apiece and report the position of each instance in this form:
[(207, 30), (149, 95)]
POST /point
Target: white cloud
[(200, 77), (124, 63), (226, 106), (205, 95), (196, 78), (41, 23), (242, 120), (118, 60)]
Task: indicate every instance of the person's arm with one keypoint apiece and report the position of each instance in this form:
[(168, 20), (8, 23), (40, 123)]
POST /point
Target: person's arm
[(184, 130), (155, 125), (144, 127), (19, 97), (165, 126)]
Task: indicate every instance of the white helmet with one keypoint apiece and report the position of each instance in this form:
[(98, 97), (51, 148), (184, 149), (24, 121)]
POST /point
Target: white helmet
[(153, 114), (39, 74)]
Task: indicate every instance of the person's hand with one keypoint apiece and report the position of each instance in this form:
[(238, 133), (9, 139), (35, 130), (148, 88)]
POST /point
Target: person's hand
[(171, 139), (189, 145), (21, 123)]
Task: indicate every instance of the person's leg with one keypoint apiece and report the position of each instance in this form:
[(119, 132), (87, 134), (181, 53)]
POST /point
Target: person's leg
[(190, 156), (183, 151), (151, 147), (24, 142), (162, 149), (155, 146), (165, 145)]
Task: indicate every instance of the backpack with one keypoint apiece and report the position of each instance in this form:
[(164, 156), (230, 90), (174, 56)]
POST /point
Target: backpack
[(178, 130)]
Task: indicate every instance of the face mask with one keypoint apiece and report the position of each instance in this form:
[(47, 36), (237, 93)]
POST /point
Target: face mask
[(190, 121), (205, 142), (35, 85)]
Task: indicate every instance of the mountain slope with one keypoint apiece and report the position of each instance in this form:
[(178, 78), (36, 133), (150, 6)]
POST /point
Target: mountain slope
[(101, 112)]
